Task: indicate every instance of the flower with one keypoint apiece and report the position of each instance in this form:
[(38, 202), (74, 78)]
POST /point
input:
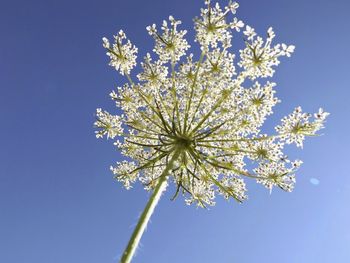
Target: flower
[(237, 24), (171, 44), (212, 27), (259, 57), (122, 56), (122, 172), (232, 6), (110, 125), (265, 149), (154, 74), (297, 125), (249, 32), (260, 101), (276, 174), (198, 122)]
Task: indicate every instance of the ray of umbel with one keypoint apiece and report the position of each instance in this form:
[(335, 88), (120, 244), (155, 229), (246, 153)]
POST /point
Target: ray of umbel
[(197, 122)]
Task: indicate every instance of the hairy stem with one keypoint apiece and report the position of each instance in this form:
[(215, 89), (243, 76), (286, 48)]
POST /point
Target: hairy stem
[(148, 211)]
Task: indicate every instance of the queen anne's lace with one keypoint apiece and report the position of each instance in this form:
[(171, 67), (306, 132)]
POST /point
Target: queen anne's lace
[(206, 111)]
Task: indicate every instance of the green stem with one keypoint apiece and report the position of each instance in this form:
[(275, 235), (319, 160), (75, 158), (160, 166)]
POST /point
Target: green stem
[(189, 102), (147, 212)]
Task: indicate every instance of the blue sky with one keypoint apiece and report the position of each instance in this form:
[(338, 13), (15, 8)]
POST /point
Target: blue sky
[(58, 201)]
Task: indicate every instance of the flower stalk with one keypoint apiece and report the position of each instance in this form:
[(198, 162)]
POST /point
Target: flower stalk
[(148, 211)]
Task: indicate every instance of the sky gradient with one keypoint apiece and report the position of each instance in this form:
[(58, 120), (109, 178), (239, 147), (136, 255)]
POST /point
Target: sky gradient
[(58, 201)]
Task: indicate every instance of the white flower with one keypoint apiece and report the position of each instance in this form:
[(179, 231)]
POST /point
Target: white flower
[(202, 194), (110, 125), (212, 27), (297, 125), (259, 57), (154, 74), (260, 100), (265, 149), (235, 187), (237, 24), (320, 116), (287, 50), (171, 44), (123, 56), (232, 6), (106, 43), (276, 174), (124, 173), (199, 121), (219, 63), (270, 34), (249, 32)]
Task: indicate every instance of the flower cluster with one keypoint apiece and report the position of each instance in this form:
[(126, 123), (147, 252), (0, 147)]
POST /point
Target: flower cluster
[(110, 125), (123, 56), (297, 125), (213, 28), (259, 57), (170, 45), (199, 122)]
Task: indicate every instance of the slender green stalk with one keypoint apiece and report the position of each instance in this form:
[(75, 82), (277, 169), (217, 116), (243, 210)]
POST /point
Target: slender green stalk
[(148, 211)]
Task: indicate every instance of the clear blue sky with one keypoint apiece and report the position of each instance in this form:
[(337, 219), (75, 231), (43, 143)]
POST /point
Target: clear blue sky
[(58, 201)]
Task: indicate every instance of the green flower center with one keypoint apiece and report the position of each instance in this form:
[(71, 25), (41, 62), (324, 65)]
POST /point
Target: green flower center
[(211, 28), (262, 153), (183, 142)]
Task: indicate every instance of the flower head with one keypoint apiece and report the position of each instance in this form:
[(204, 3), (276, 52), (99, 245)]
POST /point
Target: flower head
[(170, 44), (277, 174), (122, 55), (110, 125), (259, 57), (296, 126), (213, 26), (201, 120)]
